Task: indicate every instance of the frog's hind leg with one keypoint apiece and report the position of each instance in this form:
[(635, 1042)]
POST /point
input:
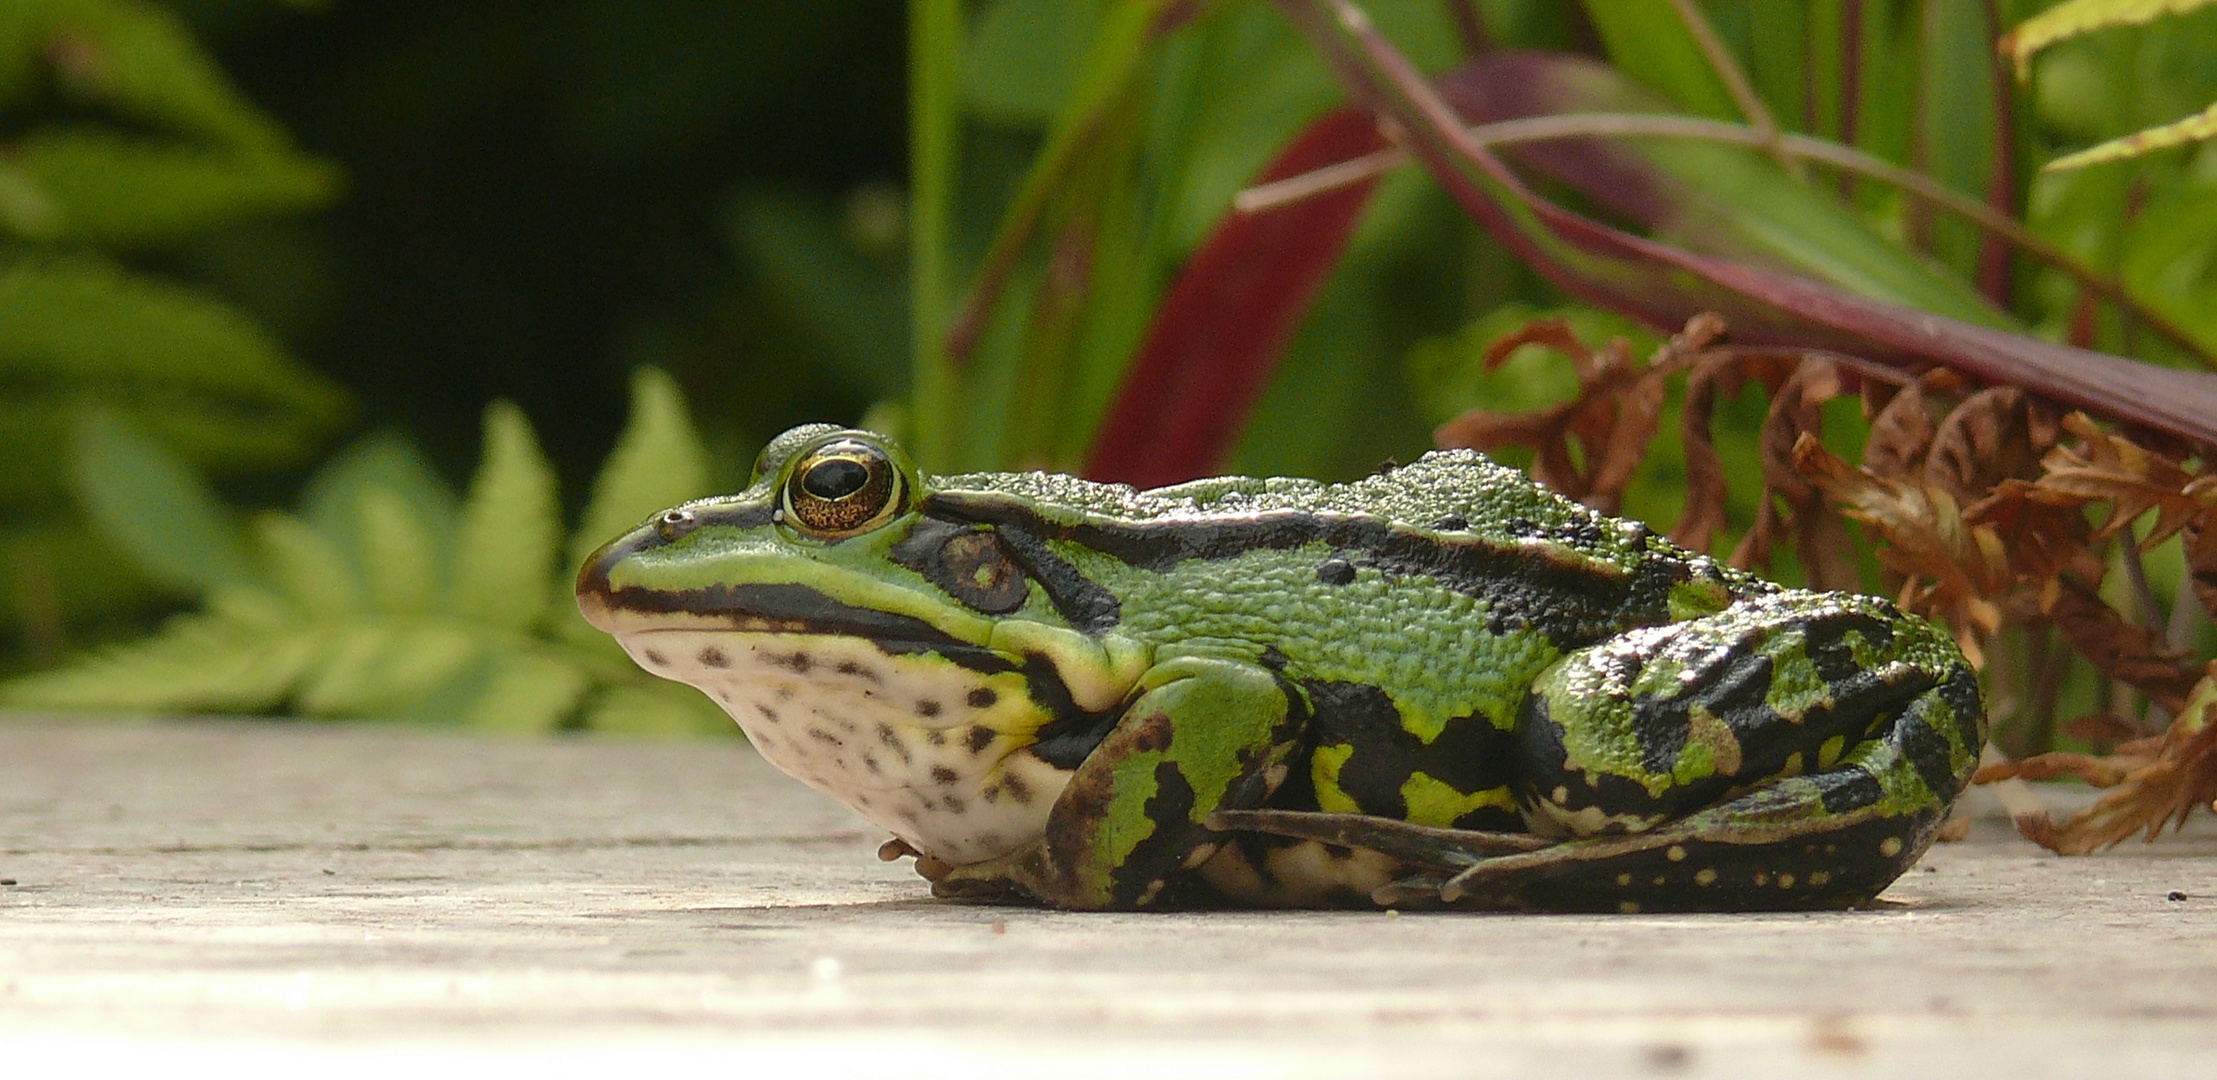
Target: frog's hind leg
[(1792, 751)]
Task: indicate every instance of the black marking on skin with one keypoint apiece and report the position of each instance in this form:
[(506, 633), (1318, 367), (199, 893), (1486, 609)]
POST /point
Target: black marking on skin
[(1735, 684), (927, 708), (954, 804), (1018, 791), (954, 557), (1065, 740), (798, 661), (1450, 524), (892, 741), (870, 762), (1335, 571), (822, 736), (714, 657), (936, 737), (1274, 660), (1171, 809), (982, 697), (657, 659), (804, 608), (849, 667), (1469, 755), (767, 712), (1081, 601), (979, 738), (942, 775)]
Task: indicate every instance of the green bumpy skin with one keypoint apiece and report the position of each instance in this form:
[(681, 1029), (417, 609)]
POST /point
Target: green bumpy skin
[(1440, 686)]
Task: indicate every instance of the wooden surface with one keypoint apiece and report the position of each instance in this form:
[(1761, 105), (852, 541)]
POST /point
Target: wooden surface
[(355, 899)]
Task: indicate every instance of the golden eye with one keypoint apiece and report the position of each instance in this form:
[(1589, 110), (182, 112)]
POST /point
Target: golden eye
[(842, 488)]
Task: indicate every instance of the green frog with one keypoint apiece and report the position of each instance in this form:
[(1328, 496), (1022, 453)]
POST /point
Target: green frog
[(1438, 686)]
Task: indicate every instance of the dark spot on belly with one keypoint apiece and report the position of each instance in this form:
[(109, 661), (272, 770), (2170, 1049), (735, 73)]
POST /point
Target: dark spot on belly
[(955, 805), (861, 799), (940, 774), (822, 736), (785, 693), (936, 737), (908, 814), (870, 762), (1018, 791), (846, 726), (979, 738), (657, 659), (724, 696), (992, 792), (849, 667), (714, 657), (892, 741), (927, 708), (800, 663), (1335, 571), (983, 698), (767, 712)]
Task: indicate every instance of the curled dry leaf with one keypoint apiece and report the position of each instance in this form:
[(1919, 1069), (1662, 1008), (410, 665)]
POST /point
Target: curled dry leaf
[(1950, 569), (1996, 434), (1616, 413), (2109, 467), (2127, 651), (2152, 783)]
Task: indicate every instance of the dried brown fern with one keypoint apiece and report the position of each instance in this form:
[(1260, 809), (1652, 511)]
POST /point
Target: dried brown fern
[(1988, 507)]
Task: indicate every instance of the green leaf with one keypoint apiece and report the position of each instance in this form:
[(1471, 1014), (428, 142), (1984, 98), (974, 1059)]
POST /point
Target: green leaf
[(155, 508), (308, 567), (384, 461), (656, 709), (510, 535), (400, 557), (2192, 129), (195, 663), (2075, 17), (1647, 41), (138, 59), (384, 668), (658, 462), (520, 691), (110, 189), (213, 385), (1025, 58)]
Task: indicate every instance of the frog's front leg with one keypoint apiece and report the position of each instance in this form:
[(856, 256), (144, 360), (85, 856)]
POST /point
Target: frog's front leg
[(1795, 750), (1202, 734)]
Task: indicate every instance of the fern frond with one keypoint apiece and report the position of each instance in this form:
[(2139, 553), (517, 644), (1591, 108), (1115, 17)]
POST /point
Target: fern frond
[(119, 191), (511, 527), (157, 508)]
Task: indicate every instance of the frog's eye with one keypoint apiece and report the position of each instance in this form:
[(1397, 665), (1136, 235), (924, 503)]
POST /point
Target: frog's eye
[(843, 488)]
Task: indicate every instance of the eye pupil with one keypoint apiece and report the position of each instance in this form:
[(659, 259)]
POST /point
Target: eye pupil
[(835, 479)]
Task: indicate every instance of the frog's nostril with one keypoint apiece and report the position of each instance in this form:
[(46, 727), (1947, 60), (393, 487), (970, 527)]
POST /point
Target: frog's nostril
[(675, 523)]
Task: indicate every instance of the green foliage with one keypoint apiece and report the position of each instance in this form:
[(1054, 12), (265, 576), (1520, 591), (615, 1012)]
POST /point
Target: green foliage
[(127, 140), (384, 597)]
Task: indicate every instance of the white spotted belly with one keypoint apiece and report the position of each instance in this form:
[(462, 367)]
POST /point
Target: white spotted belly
[(936, 753)]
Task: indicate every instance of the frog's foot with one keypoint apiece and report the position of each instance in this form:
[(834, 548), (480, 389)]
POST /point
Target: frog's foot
[(994, 881), (1447, 851), (1761, 852)]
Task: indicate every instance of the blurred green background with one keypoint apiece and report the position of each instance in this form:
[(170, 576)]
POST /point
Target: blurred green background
[(319, 318)]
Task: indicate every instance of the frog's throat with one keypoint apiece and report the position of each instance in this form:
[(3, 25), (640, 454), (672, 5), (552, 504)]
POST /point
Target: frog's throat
[(947, 756), (1095, 673)]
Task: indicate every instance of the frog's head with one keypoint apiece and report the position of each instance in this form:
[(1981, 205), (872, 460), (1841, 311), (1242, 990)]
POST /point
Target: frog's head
[(914, 666)]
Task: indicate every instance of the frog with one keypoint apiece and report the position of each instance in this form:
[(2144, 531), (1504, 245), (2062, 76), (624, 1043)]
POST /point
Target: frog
[(1441, 686)]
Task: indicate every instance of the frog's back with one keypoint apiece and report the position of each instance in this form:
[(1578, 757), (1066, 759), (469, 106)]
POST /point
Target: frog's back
[(1413, 608)]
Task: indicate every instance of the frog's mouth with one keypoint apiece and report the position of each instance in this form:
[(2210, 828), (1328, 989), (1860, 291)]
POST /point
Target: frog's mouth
[(759, 608)]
